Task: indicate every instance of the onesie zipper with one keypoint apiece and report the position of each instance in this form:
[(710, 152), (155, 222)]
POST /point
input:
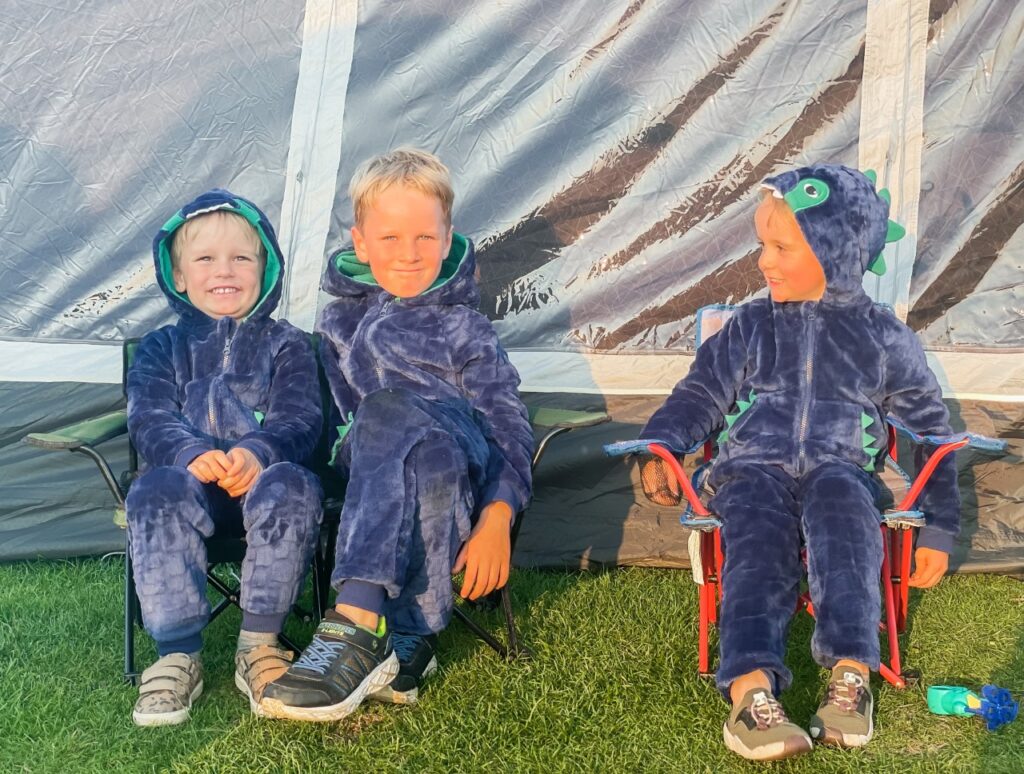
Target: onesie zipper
[(223, 367), (808, 376), (377, 366)]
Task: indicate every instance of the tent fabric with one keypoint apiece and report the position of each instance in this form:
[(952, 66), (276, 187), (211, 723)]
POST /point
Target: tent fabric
[(605, 157)]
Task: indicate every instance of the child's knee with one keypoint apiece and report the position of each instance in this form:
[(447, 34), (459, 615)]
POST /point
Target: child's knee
[(167, 499), (284, 506)]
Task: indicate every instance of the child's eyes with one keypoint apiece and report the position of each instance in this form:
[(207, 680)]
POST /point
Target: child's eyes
[(427, 236), (243, 257)]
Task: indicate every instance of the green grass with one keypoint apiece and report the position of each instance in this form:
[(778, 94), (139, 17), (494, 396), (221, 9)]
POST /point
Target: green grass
[(612, 687)]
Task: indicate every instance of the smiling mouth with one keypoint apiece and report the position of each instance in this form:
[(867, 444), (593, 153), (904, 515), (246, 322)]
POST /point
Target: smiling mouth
[(223, 291)]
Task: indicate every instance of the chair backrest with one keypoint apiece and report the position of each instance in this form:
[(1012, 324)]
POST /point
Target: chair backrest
[(711, 319), (322, 451)]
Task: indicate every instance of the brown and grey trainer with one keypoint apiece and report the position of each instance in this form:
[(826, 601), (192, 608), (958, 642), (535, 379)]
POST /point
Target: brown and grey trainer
[(759, 730), (844, 718), (256, 668), (167, 690)]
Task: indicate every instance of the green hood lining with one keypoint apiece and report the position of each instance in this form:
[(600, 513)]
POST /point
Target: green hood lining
[(271, 269), (348, 264)]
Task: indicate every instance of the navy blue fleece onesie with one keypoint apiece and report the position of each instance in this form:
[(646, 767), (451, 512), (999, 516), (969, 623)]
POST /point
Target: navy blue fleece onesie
[(430, 429), (806, 387), (205, 384)]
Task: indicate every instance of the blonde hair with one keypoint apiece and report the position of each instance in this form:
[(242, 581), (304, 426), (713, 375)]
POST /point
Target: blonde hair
[(407, 166), (191, 228)]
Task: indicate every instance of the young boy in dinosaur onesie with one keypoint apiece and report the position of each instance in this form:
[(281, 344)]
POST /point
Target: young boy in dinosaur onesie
[(814, 370), (432, 437), (224, 408)]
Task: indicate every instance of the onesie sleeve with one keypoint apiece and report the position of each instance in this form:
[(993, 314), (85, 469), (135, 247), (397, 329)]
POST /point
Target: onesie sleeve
[(491, 385), (699, 402), (294, 418), (156, 424), (913, 396)]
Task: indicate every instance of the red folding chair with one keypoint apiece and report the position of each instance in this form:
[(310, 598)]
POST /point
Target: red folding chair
[(898, 523)]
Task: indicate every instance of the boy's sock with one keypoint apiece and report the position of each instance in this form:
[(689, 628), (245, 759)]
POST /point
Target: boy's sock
[(247, 640)]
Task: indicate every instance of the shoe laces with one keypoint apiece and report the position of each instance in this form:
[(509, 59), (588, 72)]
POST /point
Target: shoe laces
[(766, 711), (405, 645), (320, 654), (845, 693)]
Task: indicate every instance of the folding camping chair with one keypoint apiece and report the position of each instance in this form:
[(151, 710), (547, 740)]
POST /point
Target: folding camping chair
[(83, 438), (898, 523), (558, 421)]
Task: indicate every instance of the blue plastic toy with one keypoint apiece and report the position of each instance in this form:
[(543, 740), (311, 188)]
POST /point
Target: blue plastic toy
[(995, 704)]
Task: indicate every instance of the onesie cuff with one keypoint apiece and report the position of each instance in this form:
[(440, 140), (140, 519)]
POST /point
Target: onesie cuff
[(259, 450), (184, 458), (502, 491), (929, 537)]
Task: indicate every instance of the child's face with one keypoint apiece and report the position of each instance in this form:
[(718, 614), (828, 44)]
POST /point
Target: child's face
[(787, 262), (404, 237), (220, 269)]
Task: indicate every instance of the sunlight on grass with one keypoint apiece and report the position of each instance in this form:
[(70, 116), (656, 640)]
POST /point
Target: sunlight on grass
[(612, 686)]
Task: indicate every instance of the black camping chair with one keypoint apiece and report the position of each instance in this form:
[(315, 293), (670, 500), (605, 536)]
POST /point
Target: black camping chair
[(83, 438)]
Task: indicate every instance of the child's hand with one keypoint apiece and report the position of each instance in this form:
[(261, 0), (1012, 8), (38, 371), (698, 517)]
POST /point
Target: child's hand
[(487, 554), (241, 473), (209, 466), (929, 567), (659, 483)]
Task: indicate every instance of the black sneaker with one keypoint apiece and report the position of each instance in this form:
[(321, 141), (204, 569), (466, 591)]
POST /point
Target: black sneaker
[(340, 666), (417, 661)]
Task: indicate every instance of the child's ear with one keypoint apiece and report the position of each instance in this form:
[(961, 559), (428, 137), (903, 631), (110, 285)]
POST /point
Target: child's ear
[(359, 243), (179, 279)]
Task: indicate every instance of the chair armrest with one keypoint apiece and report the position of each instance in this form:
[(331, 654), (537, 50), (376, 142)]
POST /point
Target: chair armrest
[(975, 441), (549, 417), (89, 432)]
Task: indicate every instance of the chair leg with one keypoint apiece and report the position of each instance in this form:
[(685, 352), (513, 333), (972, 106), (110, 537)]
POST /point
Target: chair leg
[(480, 632), (131, 676), (516, 649), (893, 672)]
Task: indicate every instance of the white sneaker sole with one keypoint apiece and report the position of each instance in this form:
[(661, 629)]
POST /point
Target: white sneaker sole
[(769, 752), (147, 719), (243, 686), (389, 695), (383, 674)]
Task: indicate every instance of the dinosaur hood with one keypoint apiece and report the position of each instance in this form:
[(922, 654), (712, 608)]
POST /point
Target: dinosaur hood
[(219, 199), (845, 221)]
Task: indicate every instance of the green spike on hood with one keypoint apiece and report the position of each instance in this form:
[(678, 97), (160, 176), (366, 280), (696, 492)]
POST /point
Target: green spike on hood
[(871, 175), (894, 233)]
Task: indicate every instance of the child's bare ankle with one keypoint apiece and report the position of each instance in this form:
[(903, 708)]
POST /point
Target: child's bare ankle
[(359, 617)]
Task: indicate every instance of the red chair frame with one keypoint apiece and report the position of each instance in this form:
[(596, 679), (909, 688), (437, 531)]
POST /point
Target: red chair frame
[(897, 545)]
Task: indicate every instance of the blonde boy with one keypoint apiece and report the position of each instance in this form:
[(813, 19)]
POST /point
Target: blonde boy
[(223, 407), (431, 435)]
